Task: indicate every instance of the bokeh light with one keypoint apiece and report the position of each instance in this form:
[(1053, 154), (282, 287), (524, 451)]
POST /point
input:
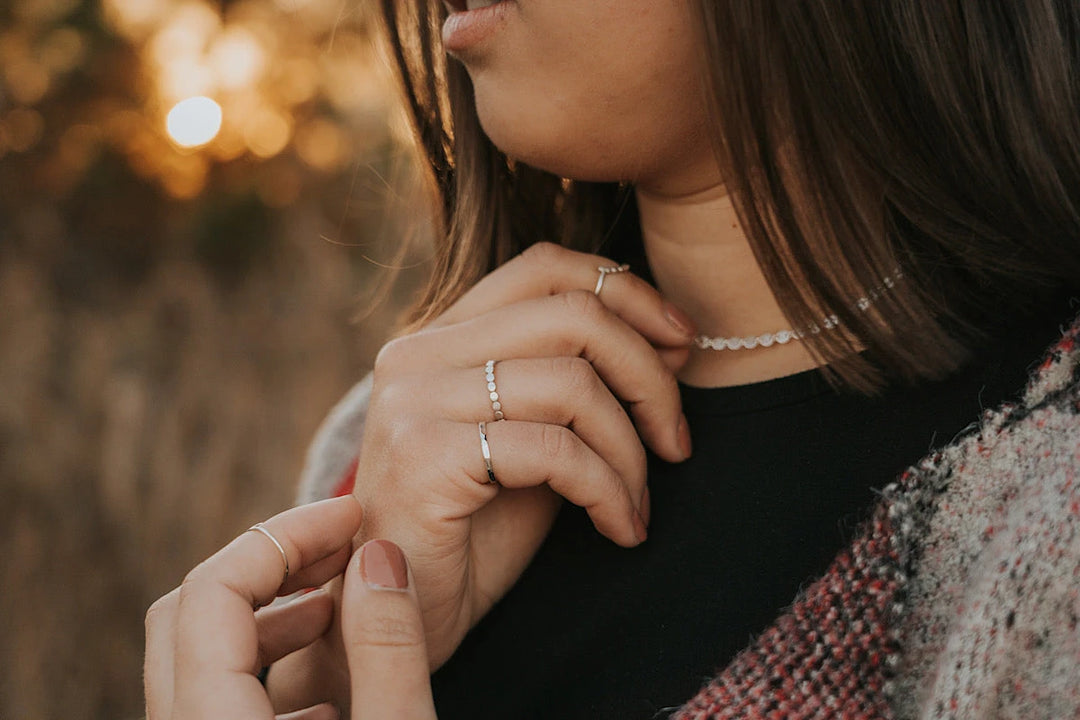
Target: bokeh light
[(196, 198), (296, 85), (194, 121)]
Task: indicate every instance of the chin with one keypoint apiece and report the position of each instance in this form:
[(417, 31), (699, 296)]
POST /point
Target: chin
[(556, 147)]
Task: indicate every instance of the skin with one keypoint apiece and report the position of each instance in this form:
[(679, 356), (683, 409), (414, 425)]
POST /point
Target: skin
[(205, 642), (609, 90), (599, 90)]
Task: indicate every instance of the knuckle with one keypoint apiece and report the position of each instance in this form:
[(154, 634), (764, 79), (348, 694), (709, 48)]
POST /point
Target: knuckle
[(394, 466), (542, 253), (158, 613), (385, 630), (578, 374), (193, 580), (390, 356), (400, 434), (666, 378), (583, 303), (389, 398), (555, 441)]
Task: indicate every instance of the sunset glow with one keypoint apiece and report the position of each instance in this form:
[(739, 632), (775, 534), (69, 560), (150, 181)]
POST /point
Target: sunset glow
[(194, 121)]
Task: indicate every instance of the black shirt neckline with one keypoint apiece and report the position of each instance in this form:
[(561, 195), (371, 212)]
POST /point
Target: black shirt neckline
[(735, 400)]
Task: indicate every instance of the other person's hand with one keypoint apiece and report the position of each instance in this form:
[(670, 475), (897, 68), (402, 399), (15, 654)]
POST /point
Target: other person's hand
[(207, 640)]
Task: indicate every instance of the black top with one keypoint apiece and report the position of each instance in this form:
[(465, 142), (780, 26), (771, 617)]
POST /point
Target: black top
[(782, 473)]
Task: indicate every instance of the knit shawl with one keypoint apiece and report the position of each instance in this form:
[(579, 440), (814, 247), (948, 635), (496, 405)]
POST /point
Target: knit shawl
[(959, 598)]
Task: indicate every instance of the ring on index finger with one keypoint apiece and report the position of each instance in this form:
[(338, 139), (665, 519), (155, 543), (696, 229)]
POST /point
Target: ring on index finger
[(605, 271), (258, 527)]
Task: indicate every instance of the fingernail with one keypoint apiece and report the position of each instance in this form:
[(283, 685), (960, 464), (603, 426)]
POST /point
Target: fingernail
[(646, 509), (639, 528), (382, 565), (678, 319), (683, 434)]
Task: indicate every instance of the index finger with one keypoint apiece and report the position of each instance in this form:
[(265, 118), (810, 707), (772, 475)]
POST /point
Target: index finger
[(217, 642), (548, 269)]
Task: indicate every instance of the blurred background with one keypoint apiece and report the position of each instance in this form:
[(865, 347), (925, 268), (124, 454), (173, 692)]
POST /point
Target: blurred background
[(199, 204)]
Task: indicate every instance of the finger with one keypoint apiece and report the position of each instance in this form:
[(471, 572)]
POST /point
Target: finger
[(251, 566), (525, 454), (576, 324), (326, 711), (384, 637), (216, 635), (283, 629), (318, 572), (548, 269), (557, 391), (158, 663)]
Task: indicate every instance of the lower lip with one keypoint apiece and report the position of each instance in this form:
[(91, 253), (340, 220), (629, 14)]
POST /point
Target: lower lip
[(464, 30)]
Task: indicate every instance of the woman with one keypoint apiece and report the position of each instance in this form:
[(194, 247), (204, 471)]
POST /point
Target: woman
[(891, 188)]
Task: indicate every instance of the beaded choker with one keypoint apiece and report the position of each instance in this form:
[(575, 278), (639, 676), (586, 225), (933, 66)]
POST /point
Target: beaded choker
[(783, 337)]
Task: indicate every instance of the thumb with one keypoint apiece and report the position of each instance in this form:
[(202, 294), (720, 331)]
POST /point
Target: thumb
[(383, 632)]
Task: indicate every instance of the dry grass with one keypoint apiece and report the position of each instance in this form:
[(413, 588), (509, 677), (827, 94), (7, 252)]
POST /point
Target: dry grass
[(138, 434)]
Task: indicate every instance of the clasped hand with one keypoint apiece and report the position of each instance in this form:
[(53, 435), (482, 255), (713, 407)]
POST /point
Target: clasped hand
[(586, 380)]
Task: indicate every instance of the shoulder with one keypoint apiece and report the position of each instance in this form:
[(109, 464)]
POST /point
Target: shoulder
[(990, 537)]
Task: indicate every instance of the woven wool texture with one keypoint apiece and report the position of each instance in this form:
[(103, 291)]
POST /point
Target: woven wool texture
[(959, 598)]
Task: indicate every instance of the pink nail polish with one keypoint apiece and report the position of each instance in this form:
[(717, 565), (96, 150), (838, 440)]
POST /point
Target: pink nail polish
[(678, 319), (382, 565)]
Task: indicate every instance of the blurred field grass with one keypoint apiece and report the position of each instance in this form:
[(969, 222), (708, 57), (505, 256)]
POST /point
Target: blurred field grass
[(138, 433), (174, 322)]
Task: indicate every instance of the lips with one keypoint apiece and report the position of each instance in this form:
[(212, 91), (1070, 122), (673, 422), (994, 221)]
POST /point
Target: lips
[(466, 5), (470, 23)]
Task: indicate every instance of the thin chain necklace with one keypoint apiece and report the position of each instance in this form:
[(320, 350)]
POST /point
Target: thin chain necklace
[(783, 337)]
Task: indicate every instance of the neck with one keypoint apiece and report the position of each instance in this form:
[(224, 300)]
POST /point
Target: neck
[(702, 262)]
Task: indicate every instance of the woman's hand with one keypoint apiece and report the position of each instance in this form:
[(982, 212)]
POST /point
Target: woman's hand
[(570, 364), (206, 640)]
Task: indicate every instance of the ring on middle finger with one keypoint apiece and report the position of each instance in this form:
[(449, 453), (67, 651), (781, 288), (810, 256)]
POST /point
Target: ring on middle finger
[(493, 393)]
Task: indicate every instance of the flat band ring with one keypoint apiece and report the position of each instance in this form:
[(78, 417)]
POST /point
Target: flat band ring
[(605, 271), (486, 450), (258, 527)]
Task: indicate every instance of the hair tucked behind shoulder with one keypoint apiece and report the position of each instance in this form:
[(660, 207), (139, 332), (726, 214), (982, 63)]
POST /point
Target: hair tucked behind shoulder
[(938, 136)]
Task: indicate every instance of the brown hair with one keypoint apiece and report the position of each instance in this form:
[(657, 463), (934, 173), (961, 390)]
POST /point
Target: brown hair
[(941, 137)]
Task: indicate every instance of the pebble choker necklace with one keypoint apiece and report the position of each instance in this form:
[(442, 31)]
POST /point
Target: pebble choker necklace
[(783, 337)]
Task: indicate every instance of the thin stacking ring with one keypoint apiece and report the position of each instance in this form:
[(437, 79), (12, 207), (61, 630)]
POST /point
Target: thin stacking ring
[(258, 527), (493, 393), (605, 271), (486, 449)]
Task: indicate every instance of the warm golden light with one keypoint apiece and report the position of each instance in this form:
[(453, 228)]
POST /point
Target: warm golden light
[(194, 121), (237, 58)]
